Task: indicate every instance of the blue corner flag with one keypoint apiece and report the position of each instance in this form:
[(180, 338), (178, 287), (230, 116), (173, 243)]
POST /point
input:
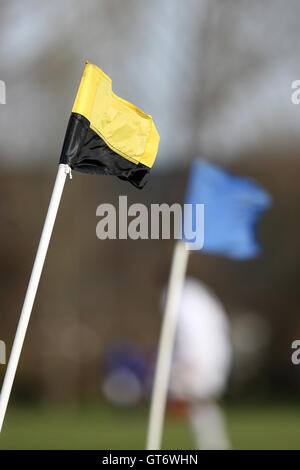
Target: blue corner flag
[(232, 208)]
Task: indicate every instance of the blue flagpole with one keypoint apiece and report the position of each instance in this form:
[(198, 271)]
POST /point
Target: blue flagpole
[(166, 346)]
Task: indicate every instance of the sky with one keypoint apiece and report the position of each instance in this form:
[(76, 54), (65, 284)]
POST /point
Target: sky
[(215, 76)]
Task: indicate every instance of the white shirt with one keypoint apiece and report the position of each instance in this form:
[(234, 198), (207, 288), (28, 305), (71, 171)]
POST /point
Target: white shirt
[(202, 353)]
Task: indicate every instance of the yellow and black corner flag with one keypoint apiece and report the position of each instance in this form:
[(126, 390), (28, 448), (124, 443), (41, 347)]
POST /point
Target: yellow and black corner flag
[(108, 135)]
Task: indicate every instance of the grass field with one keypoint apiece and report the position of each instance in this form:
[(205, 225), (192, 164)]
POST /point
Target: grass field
[(101, 427)]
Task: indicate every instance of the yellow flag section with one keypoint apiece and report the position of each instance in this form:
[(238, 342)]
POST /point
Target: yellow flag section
[(126, 129)]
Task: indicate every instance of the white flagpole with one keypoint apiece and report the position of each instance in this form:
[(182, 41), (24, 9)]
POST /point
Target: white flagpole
[(63, 170), (166, 344)]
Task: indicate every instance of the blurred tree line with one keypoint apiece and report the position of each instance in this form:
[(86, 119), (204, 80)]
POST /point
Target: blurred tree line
[(95, 293)]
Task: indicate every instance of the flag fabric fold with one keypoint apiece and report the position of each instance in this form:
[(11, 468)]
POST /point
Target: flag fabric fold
[(108, 135), (232, 208)]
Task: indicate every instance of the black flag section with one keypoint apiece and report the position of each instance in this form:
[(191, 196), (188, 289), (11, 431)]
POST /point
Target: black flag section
[(85, 151)]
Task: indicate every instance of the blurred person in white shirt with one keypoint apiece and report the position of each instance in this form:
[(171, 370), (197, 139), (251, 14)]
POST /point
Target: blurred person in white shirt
[(201, 363)]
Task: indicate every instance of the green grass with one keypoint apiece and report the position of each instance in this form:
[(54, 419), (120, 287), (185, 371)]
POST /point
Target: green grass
[(102, 427)]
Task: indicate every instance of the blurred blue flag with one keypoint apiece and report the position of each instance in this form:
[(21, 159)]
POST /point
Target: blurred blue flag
[(232, 208)]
